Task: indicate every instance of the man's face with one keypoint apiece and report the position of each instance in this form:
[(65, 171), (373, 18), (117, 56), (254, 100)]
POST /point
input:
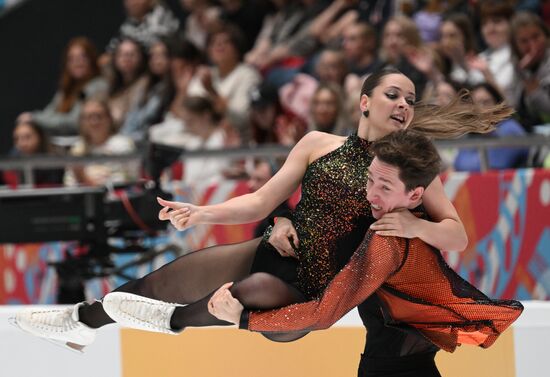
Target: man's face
[(259, 177), (385, 191)]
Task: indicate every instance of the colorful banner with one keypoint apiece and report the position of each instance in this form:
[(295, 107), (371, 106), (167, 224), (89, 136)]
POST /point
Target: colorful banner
[(506, 215)]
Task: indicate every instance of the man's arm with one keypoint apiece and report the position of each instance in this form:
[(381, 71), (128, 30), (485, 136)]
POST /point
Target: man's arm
[(376, 259)]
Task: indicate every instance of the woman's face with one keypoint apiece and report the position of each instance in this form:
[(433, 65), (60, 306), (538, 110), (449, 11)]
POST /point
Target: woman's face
[(391, 104), (392, 40), (452, 39), (324, 109), (483, 98), (95, 123), (128, 58), (25, 139), (496, 31), (159, 62), (444, 93), (78, 64), (221, 49), (530, 40)]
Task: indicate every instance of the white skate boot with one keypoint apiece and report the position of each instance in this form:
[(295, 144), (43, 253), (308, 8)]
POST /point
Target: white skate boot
[(59, 326), (140, 312)]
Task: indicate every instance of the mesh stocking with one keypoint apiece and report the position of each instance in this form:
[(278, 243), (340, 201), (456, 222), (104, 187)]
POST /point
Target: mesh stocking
[(186, 280), (258, 291)]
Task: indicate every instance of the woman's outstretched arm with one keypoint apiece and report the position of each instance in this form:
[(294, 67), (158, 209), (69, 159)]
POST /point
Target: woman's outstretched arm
[(259, 204)]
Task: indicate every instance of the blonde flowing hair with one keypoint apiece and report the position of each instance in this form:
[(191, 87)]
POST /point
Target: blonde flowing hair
[(458, 118)]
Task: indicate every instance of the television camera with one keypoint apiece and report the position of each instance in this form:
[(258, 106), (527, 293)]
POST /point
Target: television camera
[(91, 216)]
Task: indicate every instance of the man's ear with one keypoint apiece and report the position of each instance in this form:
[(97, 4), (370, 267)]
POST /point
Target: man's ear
[(416, 194)]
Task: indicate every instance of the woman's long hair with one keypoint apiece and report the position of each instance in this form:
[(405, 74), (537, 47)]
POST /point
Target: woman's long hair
[(69, 86), (458, 118)]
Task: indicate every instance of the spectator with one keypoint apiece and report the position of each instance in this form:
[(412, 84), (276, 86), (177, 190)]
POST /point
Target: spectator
[(402, 47), (128, 80), (228, 81), (495, 63), (30, 140), (262, 172), (98, 137), (146, 21), (274, 45), (359, 47), (269, 122), (457, 45), (203, 131), (79, 80), (202, 19), (532, 61), (327, 110), (485, 95), (154, 102)]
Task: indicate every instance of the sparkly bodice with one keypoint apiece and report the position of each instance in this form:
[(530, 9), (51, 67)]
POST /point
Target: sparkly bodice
[(332, 209)]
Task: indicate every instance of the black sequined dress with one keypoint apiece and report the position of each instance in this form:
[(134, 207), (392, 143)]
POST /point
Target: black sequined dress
[(330, 219)]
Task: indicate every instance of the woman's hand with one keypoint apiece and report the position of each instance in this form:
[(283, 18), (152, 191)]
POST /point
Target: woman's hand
[(283, 237), (224, 306), (398, 223), (181, 215)]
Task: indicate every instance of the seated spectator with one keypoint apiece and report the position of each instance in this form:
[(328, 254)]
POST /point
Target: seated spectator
[(98, 136), (185, 58), (402, 47), (128, 80), (457, 45), (154, 102), (269, 121), (202, 19), (202, 131), (146, 21), (327, 112), (494, 64), (30, 140), (530, 46), (261, 173), (228, 81), (359, 47), (80, 79), (485, 95)]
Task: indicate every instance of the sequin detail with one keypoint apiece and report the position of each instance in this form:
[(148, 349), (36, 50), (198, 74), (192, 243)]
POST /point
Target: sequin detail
[(334, 199)]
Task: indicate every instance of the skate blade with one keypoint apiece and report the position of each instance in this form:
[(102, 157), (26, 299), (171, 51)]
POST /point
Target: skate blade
[(73, 347)]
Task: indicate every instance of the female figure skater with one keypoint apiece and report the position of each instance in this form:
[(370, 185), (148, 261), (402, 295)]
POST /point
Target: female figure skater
[(423, 304), (331, 219)]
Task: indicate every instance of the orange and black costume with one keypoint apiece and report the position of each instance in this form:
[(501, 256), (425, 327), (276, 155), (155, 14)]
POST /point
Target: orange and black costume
[(417, 292)]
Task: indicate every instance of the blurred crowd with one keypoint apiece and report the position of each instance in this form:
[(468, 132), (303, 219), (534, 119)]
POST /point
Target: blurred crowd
[(253, 72)]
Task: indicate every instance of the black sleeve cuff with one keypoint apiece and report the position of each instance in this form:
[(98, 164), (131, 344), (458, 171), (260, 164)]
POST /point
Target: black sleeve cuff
[(285, 213), (243, 322)]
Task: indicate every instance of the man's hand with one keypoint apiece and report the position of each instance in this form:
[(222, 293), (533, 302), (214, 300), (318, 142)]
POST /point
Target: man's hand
[(224, 306), (181, 215), (283, 236), (398, 223)]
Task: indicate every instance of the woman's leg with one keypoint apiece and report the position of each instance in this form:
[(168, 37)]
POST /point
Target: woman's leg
[(258, 291), (186, 280)]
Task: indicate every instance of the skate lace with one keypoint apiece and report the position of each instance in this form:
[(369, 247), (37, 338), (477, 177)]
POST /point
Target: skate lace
[(55, 320), (152, 314)]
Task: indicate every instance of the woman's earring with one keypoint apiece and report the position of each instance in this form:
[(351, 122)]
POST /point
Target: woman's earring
[(366, 113)]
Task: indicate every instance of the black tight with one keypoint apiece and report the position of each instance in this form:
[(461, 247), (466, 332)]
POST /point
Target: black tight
[(192, 279), (185, 280)]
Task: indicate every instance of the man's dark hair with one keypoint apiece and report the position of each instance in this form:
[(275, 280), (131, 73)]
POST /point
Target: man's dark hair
[(414, 154)]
